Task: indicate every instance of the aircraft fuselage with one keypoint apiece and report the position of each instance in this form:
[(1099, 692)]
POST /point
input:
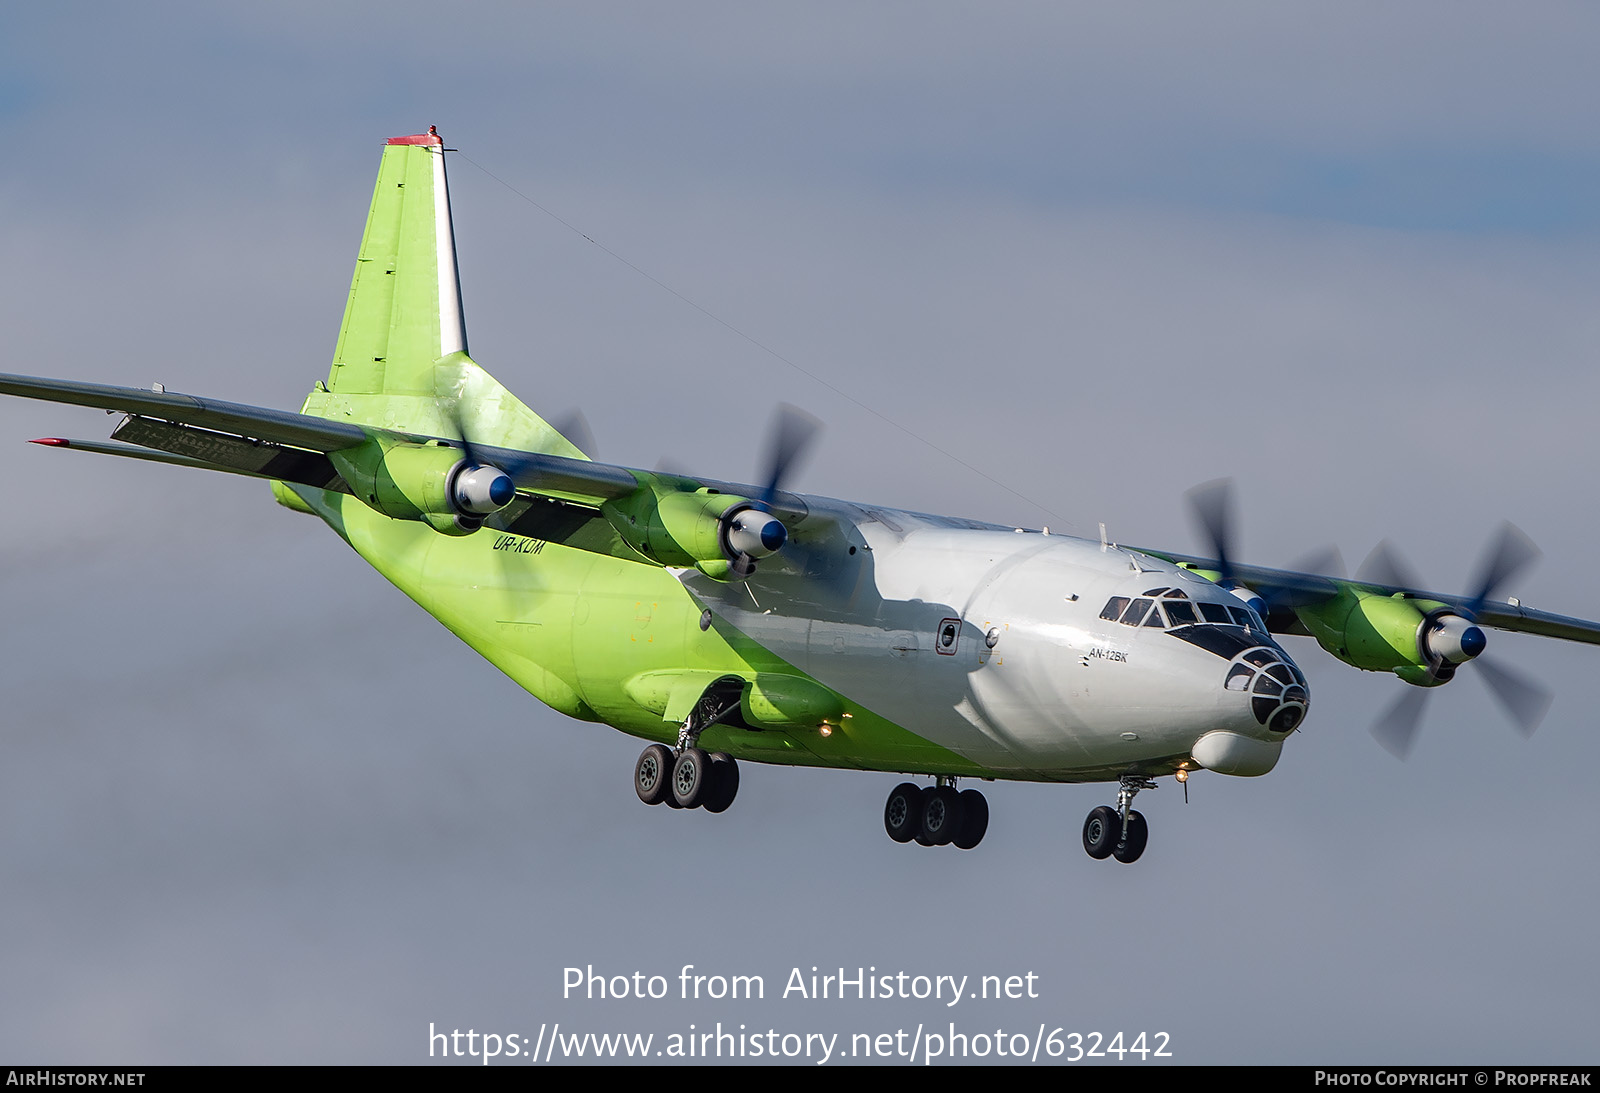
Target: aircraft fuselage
[(906, 643)]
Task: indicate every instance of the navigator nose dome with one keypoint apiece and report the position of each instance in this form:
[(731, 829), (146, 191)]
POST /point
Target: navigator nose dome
[(1278, 693)]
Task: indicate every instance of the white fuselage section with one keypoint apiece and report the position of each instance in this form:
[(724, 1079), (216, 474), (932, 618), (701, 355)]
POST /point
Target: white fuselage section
[(994, 644)]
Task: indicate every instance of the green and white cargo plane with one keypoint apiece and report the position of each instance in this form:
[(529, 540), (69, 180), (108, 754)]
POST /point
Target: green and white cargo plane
[(723, 622)]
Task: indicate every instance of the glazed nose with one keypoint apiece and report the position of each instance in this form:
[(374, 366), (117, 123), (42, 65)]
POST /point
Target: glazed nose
[(1277, 692)]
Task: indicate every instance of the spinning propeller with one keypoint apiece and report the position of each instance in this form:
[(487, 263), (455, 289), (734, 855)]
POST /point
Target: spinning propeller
[(1449, 638), (477, 487), (1457, 639), (753, 532), (1212, 506)]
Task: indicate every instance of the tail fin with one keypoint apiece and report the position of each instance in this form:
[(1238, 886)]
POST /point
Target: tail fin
[(401, 361)]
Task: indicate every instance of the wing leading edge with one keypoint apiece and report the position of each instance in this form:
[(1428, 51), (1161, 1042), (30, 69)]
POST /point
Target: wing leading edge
[(1284, 590)]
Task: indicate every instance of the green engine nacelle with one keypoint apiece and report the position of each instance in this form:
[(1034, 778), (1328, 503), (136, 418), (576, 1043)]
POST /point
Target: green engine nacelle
[(1382, 634), (406, 481), (680, 527)]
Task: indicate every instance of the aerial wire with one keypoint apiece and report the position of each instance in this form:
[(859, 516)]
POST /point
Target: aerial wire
[(767, 349)]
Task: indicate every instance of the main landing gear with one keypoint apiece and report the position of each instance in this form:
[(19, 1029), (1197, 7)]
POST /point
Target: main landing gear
[(1118, 832), (688, 776), (937, 815)]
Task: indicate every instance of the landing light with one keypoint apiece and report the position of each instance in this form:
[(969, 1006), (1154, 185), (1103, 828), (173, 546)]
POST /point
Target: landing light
[(1182, 775), (825, 729)]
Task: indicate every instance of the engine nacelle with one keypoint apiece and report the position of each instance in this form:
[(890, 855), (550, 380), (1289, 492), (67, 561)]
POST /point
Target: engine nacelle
[(427, 482), (719, 534), (1421, 641)]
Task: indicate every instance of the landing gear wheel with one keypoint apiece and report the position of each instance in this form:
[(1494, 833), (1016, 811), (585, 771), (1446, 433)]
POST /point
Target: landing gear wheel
[(652, 774), (974, 819), (724, 783), (902, 814), (1101, 831), (1133, 839), (691, 778), (941, 815)]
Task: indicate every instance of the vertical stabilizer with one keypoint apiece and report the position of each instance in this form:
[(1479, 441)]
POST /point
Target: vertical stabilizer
[(401, 360)]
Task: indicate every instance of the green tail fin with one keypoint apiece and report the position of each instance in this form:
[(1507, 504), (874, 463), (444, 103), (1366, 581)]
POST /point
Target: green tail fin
[(401, 361)]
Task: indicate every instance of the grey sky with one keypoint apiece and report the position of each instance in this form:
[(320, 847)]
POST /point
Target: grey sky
[(255, 806)]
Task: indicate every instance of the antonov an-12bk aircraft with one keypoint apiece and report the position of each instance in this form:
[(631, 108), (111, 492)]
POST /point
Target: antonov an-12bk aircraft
[(723, 622)]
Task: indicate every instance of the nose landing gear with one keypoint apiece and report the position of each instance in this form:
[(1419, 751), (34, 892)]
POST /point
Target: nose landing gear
[(936, 815), (1119, 832)]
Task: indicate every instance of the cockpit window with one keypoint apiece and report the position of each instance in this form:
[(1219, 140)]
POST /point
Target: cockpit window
[(1175, 608), (1181, 614), (1136, 612)]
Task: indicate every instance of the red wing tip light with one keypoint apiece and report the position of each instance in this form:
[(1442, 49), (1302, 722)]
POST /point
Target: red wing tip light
[(53, 441)]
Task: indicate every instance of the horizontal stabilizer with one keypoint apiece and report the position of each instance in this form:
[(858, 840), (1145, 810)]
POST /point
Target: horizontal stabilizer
[(276, 426), (131, 451)]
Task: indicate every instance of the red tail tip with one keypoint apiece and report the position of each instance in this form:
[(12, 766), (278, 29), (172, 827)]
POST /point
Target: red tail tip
[(431, 137), (53, 441)]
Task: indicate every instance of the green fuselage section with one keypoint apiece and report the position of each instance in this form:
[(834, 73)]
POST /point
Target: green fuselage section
[(592, 636)]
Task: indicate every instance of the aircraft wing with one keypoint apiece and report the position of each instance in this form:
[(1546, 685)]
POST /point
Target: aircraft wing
[(211, 434), (1284, 589)]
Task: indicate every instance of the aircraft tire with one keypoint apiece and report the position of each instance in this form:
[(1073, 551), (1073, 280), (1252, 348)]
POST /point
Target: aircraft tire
[(1101, 831), (902, 814), (652, 774), (691, 778), (724, 783), (941, 815), (1133, 841), (974, 819)]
